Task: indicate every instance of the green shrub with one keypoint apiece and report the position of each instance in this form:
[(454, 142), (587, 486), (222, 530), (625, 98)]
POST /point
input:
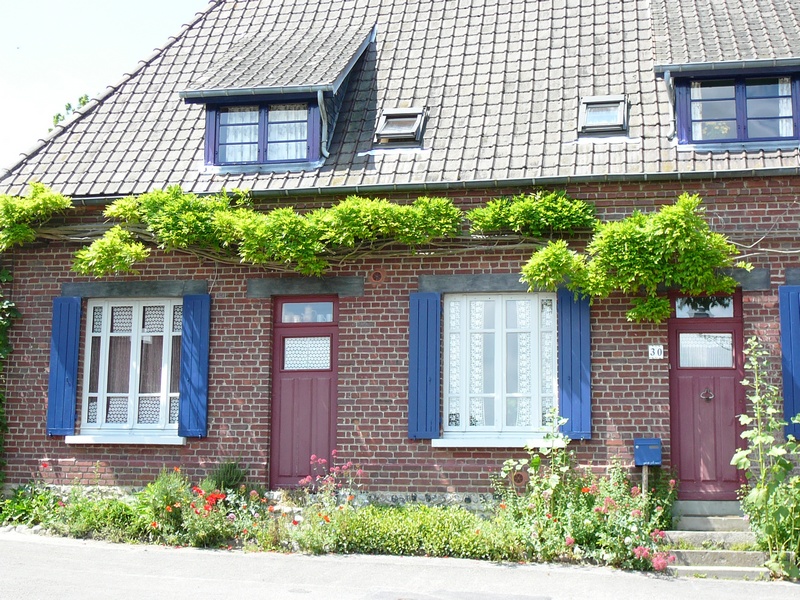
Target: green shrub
[(226, 476), (30, 504)]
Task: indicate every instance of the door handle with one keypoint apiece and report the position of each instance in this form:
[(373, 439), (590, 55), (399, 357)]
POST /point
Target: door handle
[(707, 394)]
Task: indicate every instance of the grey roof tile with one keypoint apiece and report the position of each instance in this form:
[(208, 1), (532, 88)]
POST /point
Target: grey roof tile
[(502, 81)]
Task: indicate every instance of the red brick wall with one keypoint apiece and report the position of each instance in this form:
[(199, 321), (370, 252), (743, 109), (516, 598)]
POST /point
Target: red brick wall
[(630, 396)]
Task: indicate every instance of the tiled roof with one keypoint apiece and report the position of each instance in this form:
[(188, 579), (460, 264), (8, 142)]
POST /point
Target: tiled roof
[(298, 55), (501, 80), (714, 31)]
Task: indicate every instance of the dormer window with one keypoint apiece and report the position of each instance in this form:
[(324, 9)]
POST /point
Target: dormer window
[(736, 109), (400, 126), (603, 114), (262, 134)]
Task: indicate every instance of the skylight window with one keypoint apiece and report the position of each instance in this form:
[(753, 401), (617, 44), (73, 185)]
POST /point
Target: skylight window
[(401, 126), (601, 114)]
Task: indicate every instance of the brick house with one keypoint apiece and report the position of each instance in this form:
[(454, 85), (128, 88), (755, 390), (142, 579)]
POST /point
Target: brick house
[(622, 104)]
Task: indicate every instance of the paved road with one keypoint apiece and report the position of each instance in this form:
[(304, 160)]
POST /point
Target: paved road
[(38, 566)]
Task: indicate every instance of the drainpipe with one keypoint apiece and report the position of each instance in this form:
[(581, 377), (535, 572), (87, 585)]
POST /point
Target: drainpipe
[(671, 97), (323, 147)]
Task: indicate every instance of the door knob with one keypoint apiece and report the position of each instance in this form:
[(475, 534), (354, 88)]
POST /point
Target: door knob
[(707, 394)]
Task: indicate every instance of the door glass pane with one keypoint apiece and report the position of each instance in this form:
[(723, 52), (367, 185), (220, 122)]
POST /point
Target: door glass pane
[(704, 307), (307, 354), (307, 312), (706, 350)]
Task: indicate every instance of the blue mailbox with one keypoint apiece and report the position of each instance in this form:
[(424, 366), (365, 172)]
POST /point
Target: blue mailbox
[(647, 452)]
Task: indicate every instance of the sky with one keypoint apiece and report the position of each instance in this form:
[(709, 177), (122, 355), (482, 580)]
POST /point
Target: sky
[(54, 51)]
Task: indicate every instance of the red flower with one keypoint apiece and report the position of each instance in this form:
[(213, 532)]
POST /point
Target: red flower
[(271, 509), (153, 524), (502, 505), (207, 507), (169, 508), (45, 465), (177, 469), (584, 490)]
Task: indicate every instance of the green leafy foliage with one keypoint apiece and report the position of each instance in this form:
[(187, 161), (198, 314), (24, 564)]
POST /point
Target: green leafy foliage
[(226, 225), (8, 313), (771, 499), (19, 215), (534, 215), (69, 109), (116, 252), (671, 248)]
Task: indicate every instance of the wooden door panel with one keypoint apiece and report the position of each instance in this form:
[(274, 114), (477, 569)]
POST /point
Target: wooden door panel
[(706, 396), (304, 390)]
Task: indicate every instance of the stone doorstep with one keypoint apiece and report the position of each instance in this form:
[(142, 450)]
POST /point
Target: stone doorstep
[(719, 558), (707, 508), (721, 539), (736, 573), (711, 523)]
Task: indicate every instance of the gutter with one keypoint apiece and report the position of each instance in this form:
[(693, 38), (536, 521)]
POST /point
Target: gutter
[(256, 91), (729, 65)]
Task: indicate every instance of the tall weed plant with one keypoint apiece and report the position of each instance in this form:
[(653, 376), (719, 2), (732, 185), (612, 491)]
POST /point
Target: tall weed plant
[(771, 497)]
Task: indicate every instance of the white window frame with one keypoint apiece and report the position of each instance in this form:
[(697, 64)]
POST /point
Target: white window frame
[(162, 432), (498, 434), (618, 125), (411, 134)]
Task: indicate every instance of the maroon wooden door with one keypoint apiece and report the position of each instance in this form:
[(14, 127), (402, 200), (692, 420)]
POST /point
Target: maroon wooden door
[(706, 396), (304, 387)]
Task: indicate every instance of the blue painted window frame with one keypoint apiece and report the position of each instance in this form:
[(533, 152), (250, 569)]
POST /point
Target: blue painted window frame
[(425, 365), (65, 350), (684, 111), (789, 307), (314, 129)]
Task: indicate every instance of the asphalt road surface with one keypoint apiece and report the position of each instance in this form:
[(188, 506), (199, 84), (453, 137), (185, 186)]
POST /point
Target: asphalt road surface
[(39, 566)]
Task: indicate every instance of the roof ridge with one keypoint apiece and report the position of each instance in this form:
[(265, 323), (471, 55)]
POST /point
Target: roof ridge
[(79, 113)]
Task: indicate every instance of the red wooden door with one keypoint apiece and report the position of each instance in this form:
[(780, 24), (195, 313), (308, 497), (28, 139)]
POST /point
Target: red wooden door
[(304, 387), (706, 395)]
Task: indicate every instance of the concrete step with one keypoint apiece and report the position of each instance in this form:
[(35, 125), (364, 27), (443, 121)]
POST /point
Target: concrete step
[(712, 523), (710, 539), (707, 508), (719, 558), (738, 573)]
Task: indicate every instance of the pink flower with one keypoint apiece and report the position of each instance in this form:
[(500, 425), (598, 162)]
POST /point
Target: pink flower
[(657, 535), (313, 458), (661, 561), (636, 512), (641, 552), (635, 491), (333, 452), (672, 483), (569, 541)]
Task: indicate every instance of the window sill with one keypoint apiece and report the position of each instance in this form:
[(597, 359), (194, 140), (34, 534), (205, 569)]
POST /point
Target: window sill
[(127, 439), (717, 147), (494, 442), (244, 169)]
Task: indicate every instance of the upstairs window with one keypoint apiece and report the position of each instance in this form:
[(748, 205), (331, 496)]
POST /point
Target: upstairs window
[(737, 110), (263, 134), (603, 114), (400, 126)]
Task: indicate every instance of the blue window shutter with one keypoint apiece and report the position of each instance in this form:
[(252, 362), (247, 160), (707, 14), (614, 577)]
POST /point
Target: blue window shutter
[(193, 412), (64, 347), (424, 365), (789, 297), (574, 365)]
